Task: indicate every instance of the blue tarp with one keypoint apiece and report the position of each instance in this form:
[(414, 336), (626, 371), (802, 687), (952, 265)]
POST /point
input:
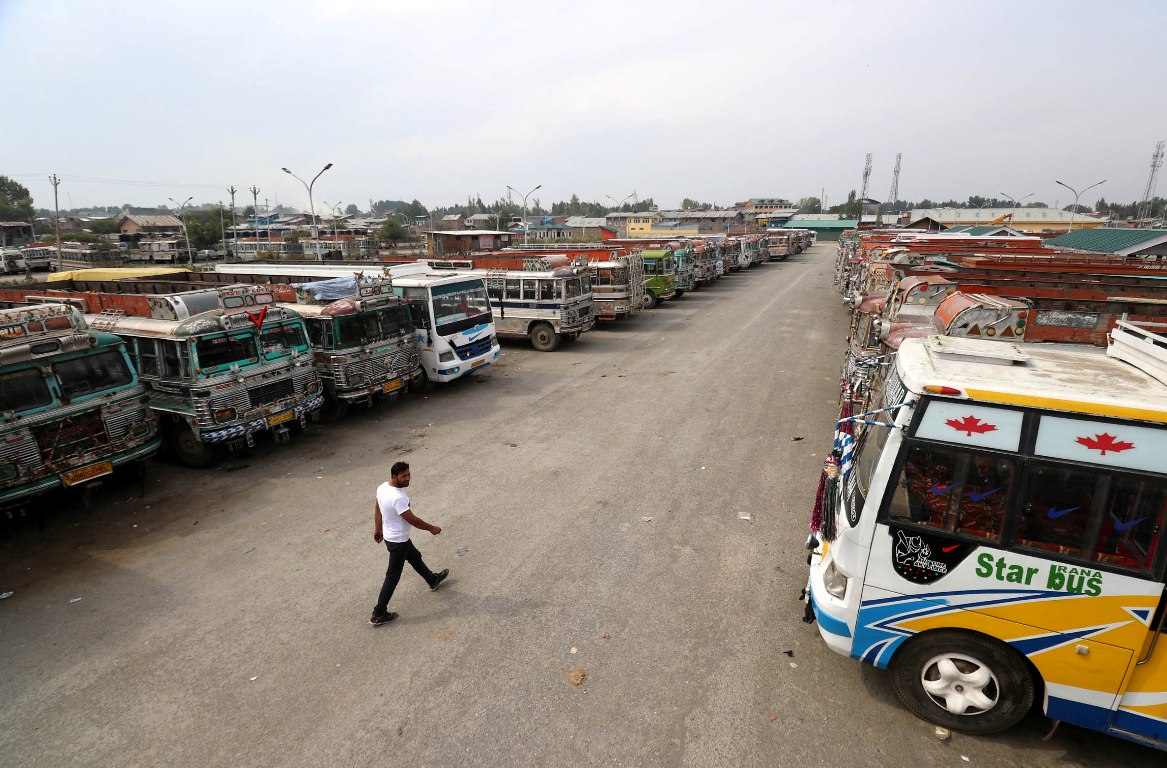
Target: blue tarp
[(330, 290)]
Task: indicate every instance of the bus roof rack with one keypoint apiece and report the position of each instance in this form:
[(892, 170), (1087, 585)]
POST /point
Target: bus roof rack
[(1142, 344), (975, 350)]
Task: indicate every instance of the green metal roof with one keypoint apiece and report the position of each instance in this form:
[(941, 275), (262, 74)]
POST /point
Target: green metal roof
[(822, 224), (1106, 239)]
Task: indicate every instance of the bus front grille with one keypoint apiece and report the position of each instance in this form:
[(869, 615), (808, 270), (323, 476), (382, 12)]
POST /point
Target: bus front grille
[(474, 349), (271, 392), (72, 435)]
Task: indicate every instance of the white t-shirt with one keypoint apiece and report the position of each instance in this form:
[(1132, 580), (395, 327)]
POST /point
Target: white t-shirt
[(392, 502)]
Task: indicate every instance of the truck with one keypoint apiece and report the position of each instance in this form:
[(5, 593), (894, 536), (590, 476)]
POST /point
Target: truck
[(72, 408), (660, 276)]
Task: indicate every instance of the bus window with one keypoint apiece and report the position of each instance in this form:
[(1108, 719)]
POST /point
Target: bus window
[(350, 331), (649, 267), (1058, 509), (147, 357), (586, 282), (604, 277), (225, 350), (547, 290), (95, 373), (23, 390), (174, 359), (494, 289), (513, 292), (1131, 523), (954, 490), (281, 339), (318, 331), (530, 290)]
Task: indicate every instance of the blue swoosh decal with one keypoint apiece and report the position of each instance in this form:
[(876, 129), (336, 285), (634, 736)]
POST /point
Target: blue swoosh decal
[(1054, 513), (940, 490), (974, 497), (1122, 527)]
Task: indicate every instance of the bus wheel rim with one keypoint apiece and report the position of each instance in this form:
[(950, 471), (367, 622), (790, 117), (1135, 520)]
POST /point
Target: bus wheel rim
[(960, 684)]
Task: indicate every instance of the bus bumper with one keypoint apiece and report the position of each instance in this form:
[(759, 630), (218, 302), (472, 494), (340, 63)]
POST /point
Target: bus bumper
[(460, 368), (830, 612)]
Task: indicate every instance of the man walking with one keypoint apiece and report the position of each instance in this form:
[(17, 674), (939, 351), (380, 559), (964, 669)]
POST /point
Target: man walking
[(392, 521)]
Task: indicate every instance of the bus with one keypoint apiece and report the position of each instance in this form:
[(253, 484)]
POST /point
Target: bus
[(219, 364), (686, 273), (39, 257), (617, 286), (71, 406), (363, 339), (660, 276), (455, 327), (996, 533), (545, 307)]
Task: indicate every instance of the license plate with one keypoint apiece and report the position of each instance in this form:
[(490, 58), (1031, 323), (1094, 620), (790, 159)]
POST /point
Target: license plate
[(87, 473), (391, 386), (480, 362), (280, 418)]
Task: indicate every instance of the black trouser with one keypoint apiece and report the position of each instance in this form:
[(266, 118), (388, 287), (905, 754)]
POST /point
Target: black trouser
[(400, 553)]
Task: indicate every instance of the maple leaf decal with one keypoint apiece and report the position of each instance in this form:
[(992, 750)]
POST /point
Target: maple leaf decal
[(970, 424), (1105, 442)]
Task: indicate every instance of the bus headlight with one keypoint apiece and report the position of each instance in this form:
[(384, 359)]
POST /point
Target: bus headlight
[(224, 414), (835, 581), (446, 357)]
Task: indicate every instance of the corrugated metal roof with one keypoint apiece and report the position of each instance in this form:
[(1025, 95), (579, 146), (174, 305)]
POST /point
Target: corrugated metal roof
[(822, 224), (586, 221), (975, 216), (148, 220), (1109, 239)]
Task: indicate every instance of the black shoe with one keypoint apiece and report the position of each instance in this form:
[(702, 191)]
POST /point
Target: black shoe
[(377, 621), (439, 578)]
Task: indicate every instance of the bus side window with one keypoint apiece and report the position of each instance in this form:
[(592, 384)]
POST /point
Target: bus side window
[(316, 332), (146, 356), (494, 289), (513, 292), (530, 290), (1058, 508), (547, 290), (173, 359), (1131, 523)]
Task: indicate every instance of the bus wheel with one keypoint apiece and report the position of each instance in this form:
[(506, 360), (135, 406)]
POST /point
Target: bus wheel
[(680, 293), (189, 449), (543, 337), (963, 681), (650, 300), (333, 410)]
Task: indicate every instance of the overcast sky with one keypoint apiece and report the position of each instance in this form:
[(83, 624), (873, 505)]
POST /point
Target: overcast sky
[(718, 101)]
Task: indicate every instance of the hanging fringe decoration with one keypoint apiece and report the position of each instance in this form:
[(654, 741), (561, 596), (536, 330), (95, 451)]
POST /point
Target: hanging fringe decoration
[(816, 515), (829, 528)]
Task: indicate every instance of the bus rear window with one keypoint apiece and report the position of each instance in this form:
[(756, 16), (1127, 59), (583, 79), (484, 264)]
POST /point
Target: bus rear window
[(23, 390)]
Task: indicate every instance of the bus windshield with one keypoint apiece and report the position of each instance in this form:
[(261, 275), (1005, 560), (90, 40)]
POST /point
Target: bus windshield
[(278, 340), (458, 306), (94, 373), (219, 351), (24, 390), (380, 325)]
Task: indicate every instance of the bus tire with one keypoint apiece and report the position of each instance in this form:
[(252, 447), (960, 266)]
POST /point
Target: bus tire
[(650, 300), (680, 292), (963, 680), (333, 410), (543, 337), (188, 449)]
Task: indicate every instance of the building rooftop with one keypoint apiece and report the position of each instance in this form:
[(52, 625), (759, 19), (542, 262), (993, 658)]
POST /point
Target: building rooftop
[(975, 216), (150, 220), (1110, 240)]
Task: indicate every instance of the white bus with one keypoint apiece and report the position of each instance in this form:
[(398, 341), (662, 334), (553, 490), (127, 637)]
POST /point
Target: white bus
[(998, 532), (455, 327)]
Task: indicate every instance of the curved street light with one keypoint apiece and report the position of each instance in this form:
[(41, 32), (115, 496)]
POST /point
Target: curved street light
[(335, 215), (311, 207), (621, 202), (1016, 202), (526, 230), (1077, 194), (185, 231)]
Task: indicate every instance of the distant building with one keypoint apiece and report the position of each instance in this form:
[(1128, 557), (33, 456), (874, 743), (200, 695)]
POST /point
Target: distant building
[(480, 221), (462, 241), (590, 228), (825, 228), (1028, 220), (638, 224), (148, 224), (780, 207), (452, 221), (548, 233)]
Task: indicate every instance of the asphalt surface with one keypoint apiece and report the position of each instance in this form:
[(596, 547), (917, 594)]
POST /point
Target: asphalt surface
[(630, 509)]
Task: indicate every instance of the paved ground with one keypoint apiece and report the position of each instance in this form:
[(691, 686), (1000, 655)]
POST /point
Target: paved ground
[(631, 507)]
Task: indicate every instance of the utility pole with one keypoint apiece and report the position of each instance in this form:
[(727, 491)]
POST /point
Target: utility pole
[(57, 217), (255, 215), (234, 231), (223, 227)]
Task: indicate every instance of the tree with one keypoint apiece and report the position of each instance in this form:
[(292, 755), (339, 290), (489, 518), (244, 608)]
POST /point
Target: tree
[(204, 228), (392, 231), (852, 208), (15, 201), (352, 210), (810, 205), (104, 227), (249, 211)]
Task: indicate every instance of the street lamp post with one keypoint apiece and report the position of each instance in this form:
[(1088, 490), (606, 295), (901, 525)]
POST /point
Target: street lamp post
[(335, 214), (526, 229), (311, 206), (1077, 194), (185, 231), (1016, 202), (979, 209)]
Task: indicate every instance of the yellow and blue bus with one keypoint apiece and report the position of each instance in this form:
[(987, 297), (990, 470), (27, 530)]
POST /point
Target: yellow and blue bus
[(994, 536)]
